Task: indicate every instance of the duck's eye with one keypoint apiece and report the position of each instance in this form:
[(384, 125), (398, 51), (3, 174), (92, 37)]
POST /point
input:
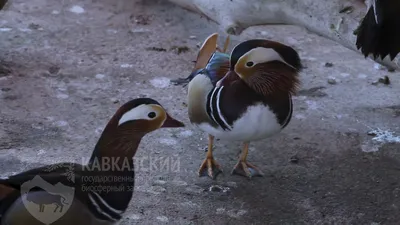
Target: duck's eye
[(151, 115), (249, 64)]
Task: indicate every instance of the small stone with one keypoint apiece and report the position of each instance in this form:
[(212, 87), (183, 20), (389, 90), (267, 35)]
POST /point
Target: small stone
[(372, 133), (156, 190), (192, 37), (62, 96), (193, 190), (384, 80), (362, 76), (198, 45), (142, 19), (215, 188), (133, 217), (332, 80), (77, 9), (218, 188), (375, 83), (179, 49), (139, 30), (347, 9), (231, 184), (160, 182), (54, 69), (220, 210), (41, 152), (25, 29), (100, 76), (179, 183), (292, 41), (61, 123), (5, 29), (34, 26), (162, 218), (126, 65), (236, 213), (328, 64), (114, 100), (294, 159)]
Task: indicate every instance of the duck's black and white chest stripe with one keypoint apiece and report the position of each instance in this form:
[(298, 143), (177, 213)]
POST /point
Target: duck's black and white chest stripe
[(108, 200), (213, 108), (241, 113), (101, 209)]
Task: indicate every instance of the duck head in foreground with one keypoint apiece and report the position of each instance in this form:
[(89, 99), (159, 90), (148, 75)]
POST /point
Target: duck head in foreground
[(251, 101), (92, 194)]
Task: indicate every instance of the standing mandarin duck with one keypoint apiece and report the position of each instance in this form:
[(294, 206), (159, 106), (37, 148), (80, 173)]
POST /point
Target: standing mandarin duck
[(245, 96), (102, 193), (379, 31)]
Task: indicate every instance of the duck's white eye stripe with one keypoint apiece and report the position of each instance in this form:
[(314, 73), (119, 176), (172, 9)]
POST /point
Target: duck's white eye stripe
[(140, 112), (262, 55)]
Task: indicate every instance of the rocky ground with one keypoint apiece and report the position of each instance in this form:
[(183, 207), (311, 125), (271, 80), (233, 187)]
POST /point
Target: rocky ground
[(66, 66)]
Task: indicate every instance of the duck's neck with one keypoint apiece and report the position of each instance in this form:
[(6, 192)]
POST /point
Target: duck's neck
[(116, 151), (111, 166), (115, 147)]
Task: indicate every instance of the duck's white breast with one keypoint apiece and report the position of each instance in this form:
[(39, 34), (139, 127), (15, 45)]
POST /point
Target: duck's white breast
[(257, 123)]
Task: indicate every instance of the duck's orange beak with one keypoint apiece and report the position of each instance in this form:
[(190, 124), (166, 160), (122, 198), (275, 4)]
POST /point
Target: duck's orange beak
[(171, 122)]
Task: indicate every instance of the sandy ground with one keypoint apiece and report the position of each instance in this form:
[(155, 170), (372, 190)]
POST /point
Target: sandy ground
[(66, 67)]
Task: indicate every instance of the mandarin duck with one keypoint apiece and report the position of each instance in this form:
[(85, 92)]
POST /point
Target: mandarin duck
[(101, 189), (379, 31), (245, 96)]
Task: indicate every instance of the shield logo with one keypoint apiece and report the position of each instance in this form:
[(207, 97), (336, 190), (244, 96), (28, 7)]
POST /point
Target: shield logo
[(50, 203)]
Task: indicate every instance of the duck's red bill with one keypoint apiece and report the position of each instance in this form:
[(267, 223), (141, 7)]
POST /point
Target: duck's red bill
[(171, 122)]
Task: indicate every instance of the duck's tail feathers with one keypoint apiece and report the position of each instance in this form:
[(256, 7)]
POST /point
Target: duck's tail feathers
[(379, 31), (3, 3)]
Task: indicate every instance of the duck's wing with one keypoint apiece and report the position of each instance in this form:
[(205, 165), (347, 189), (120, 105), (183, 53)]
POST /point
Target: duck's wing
[(206, 51), (52, 174), (217, 66), (10, 188), (3, 3), (226, 45)]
